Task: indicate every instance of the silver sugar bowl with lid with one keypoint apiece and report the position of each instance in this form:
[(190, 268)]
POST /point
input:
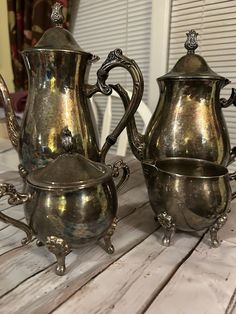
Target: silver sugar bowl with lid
[(69, 202)]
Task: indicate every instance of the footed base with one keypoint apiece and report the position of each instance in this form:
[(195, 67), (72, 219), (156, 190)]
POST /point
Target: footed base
[(167, 222)]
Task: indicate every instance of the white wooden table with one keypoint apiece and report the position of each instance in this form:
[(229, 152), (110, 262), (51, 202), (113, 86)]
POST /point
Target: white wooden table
[(141, 276)]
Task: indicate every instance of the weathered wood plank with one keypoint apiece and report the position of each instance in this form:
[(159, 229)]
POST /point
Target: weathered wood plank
[(49, 290), (10, 177), (18, 263), (11, 238), (231, 307), (7, 167), (16, 212), (207, 278), (5, 145), (9, 160), (130, 284)]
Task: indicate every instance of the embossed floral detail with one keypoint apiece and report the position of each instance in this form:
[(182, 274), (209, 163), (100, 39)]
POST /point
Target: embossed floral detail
[(112, 228), (165, 220), (191, 42), (57, 245), (57, 15), (117, 166), (219, 223), (60, 248), (13, 129), (15, 198), (114, 58)]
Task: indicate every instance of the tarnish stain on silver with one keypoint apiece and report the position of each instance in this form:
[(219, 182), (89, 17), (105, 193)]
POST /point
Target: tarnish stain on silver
[(188, 120), (69, 202), (58, 97), (188, 194)]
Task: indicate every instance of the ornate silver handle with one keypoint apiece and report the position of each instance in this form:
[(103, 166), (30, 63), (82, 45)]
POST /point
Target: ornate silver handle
[(116, 167), (15, 198), (12, 124), (232, 176), (224, 104), (228, 102), (117, 59)]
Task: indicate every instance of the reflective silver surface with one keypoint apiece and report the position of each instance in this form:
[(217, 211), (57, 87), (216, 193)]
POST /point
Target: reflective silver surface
[(59, 95), (76, 216), (187, 194), (188, 120), (70, 201), (56, 101)]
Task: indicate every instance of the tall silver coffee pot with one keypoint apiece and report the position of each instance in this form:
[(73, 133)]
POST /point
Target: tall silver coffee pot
[(188, 120), (58, 97)]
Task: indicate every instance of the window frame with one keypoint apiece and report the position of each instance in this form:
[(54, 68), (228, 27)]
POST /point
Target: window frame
[(159, 47)]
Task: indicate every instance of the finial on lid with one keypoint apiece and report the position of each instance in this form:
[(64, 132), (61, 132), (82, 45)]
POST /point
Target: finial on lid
[(66, 139), (191, 42), (57, 17)]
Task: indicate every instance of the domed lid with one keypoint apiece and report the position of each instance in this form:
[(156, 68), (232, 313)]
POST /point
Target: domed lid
[(57, 38), (191, 65), (69, 170)]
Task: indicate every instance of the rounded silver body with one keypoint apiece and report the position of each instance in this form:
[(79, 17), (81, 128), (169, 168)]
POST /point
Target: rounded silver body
[(77, 216), (194, 192)]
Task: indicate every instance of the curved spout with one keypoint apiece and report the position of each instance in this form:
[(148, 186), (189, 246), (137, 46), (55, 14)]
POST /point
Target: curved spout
[(136, 139), (12, 124)]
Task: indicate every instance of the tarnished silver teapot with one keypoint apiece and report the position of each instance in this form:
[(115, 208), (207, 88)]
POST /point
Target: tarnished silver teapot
[(188, 120), (69, 202), (59, 95)]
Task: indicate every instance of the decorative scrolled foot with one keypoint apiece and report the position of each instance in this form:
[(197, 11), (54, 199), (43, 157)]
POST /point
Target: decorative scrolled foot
[(219, 223), (214, 241), (60, 249), (166, 240), (60, 268), (39, 243), (166, 221), (108, 247)]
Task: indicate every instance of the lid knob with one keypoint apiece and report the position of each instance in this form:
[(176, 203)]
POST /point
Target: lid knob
[(57, 17), (66, 139), (191, 42)]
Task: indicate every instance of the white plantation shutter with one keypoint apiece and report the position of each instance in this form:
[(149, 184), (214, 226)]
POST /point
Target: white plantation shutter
[(101, 26), (215, 21)]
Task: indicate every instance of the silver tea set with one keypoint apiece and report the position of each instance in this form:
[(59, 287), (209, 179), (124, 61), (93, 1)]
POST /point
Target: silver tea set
[(69, 194)]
